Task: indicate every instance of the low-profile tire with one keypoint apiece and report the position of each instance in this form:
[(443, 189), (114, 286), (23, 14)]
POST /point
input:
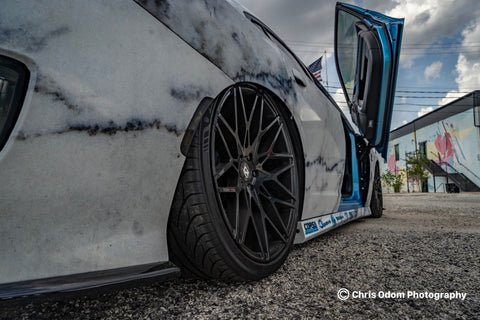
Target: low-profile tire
[(238, 200), (376, 203)]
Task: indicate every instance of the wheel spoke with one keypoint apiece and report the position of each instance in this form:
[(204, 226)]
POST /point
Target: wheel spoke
[(244, 118), (285, 203), (272, 145), (282, 170), (233, 133), (261, 228), (237, 134), (223, 169), (280, 127), (268, 175), (277, 231), (261, 133), (281, 155), (244, 219), (277, 217), (225, 144), (235, 108), (285, 189), (274, 121), (229, 128), (274, 175), (262, 103), (251, 118), (237, 215), (256, 142), (273, 155)]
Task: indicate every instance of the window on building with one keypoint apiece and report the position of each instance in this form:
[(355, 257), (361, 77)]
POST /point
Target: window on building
[(476, 116), (397, 152), (476, 109), (422, 148)]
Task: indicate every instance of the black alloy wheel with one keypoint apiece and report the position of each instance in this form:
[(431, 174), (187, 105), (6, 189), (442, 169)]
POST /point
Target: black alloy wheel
[(242, 222), (254, 173)]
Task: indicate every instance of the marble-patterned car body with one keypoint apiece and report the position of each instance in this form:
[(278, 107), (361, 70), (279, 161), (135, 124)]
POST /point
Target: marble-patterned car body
[(89, 171)]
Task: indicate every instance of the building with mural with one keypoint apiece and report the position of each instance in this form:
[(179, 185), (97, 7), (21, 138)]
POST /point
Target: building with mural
[(449, 137)]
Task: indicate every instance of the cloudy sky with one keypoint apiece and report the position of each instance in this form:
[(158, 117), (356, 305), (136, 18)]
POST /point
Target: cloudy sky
[(440, 56)]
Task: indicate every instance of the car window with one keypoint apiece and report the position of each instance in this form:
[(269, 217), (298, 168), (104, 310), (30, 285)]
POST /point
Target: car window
[(279, 43), (347, 49)]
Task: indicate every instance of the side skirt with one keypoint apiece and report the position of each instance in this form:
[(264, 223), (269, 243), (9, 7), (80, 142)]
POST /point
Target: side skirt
[(89, 280), (312, 228)]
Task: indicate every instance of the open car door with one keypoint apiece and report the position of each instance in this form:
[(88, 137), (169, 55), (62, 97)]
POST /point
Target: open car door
[(367, 49)]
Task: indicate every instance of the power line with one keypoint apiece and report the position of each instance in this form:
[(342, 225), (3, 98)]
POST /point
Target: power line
[(453, 91), (413, 104), (413, 91), (470, 44), (425, 97), (413, 49), (427, 90)]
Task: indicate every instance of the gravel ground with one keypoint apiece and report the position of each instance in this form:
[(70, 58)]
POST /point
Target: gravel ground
[(422, 243)]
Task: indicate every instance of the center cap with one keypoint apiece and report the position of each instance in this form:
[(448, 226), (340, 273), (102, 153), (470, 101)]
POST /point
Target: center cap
[(245, 171)]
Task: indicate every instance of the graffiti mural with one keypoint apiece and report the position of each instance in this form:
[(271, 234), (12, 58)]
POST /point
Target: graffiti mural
[(453, 143)]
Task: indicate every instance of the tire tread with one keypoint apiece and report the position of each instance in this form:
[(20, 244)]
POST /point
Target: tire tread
[(191, 236)]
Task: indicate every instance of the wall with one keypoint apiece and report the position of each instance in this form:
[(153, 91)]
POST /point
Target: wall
[(454, 140)]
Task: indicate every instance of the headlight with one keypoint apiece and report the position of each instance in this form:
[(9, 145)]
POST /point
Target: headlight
[(14, 77)]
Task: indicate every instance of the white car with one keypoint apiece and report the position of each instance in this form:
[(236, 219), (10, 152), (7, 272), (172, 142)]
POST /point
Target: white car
[(140, 138)]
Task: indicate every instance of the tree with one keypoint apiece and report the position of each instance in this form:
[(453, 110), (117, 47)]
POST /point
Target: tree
[(416, 168)]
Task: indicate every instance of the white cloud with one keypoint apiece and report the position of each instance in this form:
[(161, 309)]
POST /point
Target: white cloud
[(450, 97), (424, 111), (433, 70), (468, 64), (429, 21), (305, 25)]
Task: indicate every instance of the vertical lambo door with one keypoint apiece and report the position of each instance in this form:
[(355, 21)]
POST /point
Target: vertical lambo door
[(367, 49)]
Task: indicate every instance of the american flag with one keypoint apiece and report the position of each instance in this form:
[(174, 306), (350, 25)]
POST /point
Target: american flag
[(316, 68)]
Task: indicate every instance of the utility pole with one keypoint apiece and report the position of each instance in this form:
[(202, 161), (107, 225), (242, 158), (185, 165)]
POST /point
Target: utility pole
[(326, 68), (415, 137), (406, 171)]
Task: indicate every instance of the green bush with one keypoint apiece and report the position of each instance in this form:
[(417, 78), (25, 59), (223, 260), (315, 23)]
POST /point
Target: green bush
[(395, 181)]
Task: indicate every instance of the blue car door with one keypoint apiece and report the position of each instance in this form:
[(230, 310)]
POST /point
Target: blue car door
[(367, 49)]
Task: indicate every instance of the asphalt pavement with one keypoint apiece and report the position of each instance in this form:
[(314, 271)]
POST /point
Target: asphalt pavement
[(420, 260)]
